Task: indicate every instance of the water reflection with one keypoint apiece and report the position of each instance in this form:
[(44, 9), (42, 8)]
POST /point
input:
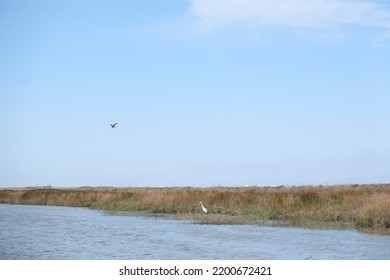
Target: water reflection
[(47, 232)]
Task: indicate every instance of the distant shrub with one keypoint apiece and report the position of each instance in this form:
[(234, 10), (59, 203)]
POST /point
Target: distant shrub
[(308, 197), (363, 222), (386, 223)]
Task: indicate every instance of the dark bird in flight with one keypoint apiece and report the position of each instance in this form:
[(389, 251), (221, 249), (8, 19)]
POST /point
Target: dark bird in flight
[(113, 125)]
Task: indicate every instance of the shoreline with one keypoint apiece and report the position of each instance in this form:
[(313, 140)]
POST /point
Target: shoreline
[(365, 207)]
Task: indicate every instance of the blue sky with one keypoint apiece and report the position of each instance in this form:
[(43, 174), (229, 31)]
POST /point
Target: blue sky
[(205, 92)]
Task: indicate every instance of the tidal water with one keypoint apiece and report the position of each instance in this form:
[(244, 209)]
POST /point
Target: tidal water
[(60, 233)]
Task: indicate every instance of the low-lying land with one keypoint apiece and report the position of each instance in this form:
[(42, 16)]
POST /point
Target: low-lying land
[(363, 207)]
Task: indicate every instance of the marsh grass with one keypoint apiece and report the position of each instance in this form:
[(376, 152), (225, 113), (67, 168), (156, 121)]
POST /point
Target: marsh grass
[(364, 207)]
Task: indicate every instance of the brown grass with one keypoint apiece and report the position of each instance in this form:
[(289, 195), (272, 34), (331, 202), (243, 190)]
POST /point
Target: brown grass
[(364, 207)]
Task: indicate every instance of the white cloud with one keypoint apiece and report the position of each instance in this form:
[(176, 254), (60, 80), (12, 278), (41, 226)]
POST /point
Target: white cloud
[(291, 13)]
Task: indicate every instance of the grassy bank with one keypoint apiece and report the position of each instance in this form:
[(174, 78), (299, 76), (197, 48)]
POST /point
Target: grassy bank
[(364, 207)]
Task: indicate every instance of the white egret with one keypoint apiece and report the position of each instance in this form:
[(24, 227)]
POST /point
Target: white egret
[(113, 125), (203, 208)]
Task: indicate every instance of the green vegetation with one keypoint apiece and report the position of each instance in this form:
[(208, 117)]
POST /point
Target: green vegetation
[(364, 207)]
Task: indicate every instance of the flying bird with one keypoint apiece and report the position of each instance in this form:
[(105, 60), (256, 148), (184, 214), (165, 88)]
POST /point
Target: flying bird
[(203, 208), (113, 125)]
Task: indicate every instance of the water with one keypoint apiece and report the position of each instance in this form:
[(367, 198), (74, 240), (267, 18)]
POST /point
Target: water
[(47, 232)]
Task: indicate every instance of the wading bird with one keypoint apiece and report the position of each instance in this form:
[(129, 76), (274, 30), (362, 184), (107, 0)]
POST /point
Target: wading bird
[(113, 125), (203, 208)]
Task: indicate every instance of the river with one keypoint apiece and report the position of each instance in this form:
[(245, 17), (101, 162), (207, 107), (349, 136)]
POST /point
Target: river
[(60, 233)]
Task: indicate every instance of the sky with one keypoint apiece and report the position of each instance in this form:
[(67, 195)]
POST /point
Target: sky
[(205, 92)]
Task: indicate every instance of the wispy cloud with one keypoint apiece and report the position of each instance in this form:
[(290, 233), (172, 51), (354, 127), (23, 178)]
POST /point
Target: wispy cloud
[(318, 14)]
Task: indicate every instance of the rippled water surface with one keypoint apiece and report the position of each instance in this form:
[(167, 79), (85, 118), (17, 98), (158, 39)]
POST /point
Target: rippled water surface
[(47, 232)]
